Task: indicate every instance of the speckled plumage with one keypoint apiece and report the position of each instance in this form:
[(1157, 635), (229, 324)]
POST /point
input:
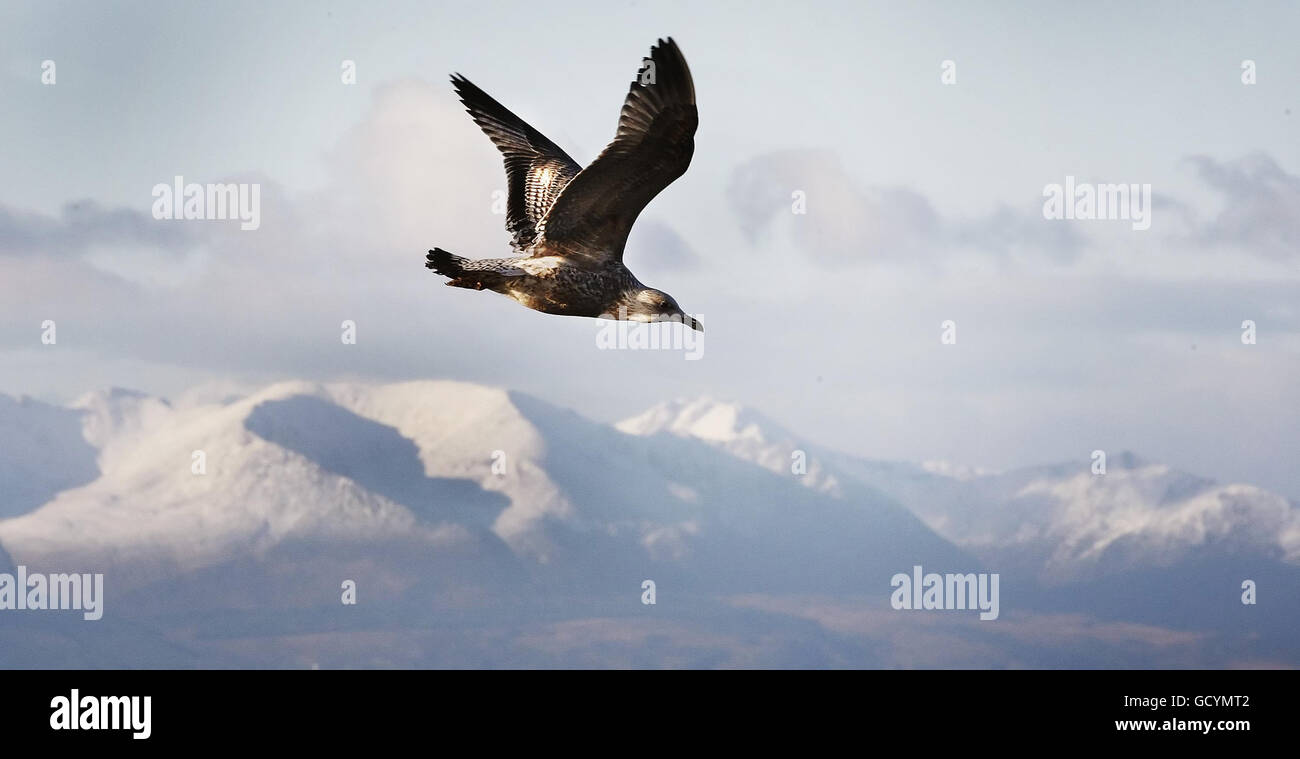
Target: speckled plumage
[(571, 224)]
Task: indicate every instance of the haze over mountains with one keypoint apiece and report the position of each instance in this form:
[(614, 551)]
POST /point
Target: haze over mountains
[(484, 527)]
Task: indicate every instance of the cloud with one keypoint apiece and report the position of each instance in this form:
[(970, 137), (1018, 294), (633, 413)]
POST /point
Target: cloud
[(656, 247), (841, 221), (83, 224), (1011, 232), (1261, 211), (849, 222), (412, 173)]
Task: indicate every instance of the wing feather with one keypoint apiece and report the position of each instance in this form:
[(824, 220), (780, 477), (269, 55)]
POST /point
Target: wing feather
[(595, 211), (536, 168)]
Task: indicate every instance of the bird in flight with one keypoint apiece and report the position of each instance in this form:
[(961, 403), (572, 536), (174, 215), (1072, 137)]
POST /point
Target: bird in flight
[(569, 223)]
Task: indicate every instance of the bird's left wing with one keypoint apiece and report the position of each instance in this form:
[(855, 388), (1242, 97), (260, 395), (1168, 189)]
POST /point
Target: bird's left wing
[(593, 215), (536, 169)]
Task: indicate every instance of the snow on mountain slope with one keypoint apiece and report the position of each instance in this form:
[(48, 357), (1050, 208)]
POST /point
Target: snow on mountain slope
[(117, 413), (734, 512), (452, 462), (148, 505), (583, 492), (463, 512), (742, 432), (445, 461), (1058, 523), (1073, 523), (462, 431)]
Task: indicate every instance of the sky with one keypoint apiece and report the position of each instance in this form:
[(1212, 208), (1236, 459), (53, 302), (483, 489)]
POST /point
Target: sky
[(923, 204)]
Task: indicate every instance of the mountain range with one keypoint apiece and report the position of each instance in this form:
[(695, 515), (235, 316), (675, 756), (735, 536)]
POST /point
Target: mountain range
[(485, 527)]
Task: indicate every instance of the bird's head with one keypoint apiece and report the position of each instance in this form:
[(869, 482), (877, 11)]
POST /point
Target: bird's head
[(651, 305)]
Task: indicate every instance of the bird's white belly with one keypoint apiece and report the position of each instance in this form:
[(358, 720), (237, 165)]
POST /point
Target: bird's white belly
[(524, 297), (546, 266)]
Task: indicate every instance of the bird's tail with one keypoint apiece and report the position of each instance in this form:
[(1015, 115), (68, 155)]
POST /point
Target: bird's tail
[(445, 263)]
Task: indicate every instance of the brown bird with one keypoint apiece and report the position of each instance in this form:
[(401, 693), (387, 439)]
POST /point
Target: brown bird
[(571, 223)]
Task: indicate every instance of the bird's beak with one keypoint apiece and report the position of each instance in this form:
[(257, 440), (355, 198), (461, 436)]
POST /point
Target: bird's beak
[(692, 322)]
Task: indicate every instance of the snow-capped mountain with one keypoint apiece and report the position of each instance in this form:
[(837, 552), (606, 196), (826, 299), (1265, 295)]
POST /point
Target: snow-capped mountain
[(1066, 522), (1058, 523), (118, 474), (481, 525), (186, 486), (740, 431)]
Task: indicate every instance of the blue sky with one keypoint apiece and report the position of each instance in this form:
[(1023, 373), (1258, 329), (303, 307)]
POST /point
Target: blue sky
[(923, 205)]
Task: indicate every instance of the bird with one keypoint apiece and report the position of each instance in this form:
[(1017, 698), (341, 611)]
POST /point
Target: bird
[(571, 223)]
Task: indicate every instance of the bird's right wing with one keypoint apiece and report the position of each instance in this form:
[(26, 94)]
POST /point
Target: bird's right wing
[(656, 138), (536, 169)]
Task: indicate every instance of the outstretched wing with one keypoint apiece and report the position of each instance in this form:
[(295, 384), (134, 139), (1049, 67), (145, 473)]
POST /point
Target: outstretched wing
[(536, 169), (656, 138)]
